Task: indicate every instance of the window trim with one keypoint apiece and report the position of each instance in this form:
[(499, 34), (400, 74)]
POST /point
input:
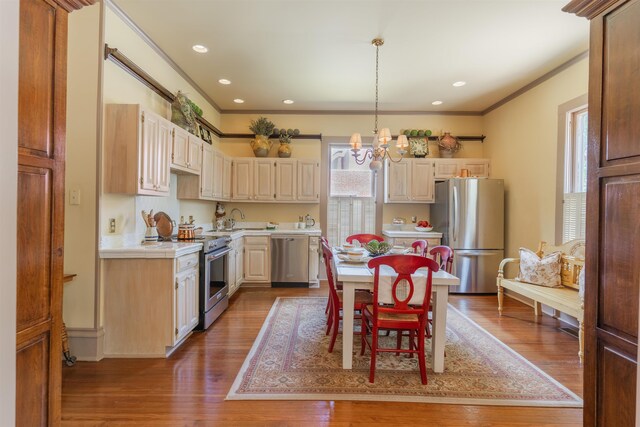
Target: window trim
[(563, 111)]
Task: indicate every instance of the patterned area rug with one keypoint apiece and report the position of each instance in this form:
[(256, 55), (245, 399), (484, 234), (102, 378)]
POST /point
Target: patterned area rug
[(289, 361)]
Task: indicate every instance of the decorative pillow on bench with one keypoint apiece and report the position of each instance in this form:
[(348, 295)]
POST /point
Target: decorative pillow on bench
[(537, 271)]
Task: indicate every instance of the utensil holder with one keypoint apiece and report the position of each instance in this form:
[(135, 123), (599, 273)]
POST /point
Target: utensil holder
[(151, 235)]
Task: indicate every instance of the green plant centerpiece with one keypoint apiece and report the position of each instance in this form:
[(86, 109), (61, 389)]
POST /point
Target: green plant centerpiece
[(285, 135), (182, 113), (262, 128), (376, 248)]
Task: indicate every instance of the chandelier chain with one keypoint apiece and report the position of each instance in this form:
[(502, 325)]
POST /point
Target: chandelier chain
[(375, 126)]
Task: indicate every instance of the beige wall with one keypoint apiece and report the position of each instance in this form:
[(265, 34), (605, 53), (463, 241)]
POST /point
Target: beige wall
[(80, 174), (522, 143), (9, 21)]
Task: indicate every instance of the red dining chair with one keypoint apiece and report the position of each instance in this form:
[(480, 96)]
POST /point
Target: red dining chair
[(420, 247), (393, 308), (443, 255), (364, 238), (362, 298)]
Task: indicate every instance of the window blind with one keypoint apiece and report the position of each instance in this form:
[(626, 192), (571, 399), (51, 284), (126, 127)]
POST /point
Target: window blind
[(347, 216), (574, 214)]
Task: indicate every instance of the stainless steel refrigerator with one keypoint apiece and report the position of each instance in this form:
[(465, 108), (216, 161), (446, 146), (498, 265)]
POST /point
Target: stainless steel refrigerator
[(469, 212)]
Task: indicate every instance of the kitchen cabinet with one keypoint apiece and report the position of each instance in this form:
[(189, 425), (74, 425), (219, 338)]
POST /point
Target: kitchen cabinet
[(137, 151), (409, 181), (407, 241), (226, 179), (239, 261), (214, 179), (308, 181), (264, 179), (232, 259), (285, 180), (186, 151), (218, 169), (206, 174), (450, 168), (257, 260), (314, 261), (242, 179), (151, 304)]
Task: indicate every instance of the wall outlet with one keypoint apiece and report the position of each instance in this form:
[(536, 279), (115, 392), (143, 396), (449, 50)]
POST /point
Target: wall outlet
[(74, 197), (112, 225)]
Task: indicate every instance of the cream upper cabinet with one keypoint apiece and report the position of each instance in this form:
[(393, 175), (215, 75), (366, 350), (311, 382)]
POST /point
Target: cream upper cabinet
[(207, 173), (398, 181), (409, 181), (450, 168), (137, 151), (226, 178), (257, 260), (422, 181), (199, 187), (264, 179), (218, 169), (186, 151), (308, 181), (286, 179), (242, 179)]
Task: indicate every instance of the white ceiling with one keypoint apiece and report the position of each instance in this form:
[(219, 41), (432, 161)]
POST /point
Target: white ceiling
[(319, 52)]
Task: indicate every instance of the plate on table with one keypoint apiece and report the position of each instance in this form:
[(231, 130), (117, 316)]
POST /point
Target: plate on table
[(348, 259), (343, 250)]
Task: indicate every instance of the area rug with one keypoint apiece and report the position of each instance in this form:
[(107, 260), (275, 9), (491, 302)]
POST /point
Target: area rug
[(289, 361)]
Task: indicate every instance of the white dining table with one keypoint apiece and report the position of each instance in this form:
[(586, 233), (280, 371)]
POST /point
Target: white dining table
[(359, 276)]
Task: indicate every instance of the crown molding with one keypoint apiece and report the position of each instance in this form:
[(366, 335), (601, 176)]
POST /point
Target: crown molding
[(131, 24), (354, 112)]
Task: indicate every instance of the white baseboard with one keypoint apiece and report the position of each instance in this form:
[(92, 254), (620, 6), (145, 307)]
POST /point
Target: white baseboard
[(87, 344)]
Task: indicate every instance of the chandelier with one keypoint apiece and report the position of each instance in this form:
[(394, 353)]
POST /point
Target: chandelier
[(381, 140)]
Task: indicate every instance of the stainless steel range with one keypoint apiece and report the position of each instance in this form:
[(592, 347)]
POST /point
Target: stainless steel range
[(214, 286)]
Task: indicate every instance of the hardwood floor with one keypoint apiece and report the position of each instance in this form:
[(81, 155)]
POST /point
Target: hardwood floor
[(189, 388)]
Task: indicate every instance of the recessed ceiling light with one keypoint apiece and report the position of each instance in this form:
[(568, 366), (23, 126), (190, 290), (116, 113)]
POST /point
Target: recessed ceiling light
[(238, 101), (288, 101), (460, 83), (436, 103), (224, 82), (199, 48)]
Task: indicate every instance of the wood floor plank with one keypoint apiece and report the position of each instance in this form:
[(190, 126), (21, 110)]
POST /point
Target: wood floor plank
[(189, 388)]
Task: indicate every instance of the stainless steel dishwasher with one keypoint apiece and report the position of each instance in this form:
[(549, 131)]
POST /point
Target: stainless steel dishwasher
[(289, 260)]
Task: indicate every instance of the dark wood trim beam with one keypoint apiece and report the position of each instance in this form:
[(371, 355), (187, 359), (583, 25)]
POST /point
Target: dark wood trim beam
[(250, 135), (71, 5), (588, 8), (117, 57)]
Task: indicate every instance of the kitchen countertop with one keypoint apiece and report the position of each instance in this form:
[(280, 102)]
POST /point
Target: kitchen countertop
[(234, 234), (156, 250), (412, 233)]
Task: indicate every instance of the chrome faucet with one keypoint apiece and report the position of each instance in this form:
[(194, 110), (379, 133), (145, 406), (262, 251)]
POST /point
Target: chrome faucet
[(236, 209)]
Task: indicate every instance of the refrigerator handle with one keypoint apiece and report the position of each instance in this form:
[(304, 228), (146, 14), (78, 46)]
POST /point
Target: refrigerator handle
[(475, 253), (455, 213)]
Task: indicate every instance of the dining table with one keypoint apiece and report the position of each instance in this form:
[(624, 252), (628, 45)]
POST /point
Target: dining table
[(357, 276)]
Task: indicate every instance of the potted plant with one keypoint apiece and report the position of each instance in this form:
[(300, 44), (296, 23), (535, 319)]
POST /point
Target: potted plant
[(285, 135), (262, 128), (418, 141)]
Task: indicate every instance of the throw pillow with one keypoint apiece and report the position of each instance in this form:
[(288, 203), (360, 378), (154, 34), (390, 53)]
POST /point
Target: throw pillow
[(537, 271)]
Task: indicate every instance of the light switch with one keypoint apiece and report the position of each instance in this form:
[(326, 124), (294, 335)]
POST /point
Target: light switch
[(74, 197), (112, 225)]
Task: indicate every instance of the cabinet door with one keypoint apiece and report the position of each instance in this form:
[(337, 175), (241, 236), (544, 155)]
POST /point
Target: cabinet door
[(192, 299), (194, 159), (242, 179), (239, 262), (477, 167), (308, 180), (179, 147), (422, 182), (163, 156), (149, 151), (286, 179), (206, 174), (231, 268), (181, 306), (446, 168), (314, 258), (226, 179), (218, 170), (398, 181), (257, 265), (264, 177)]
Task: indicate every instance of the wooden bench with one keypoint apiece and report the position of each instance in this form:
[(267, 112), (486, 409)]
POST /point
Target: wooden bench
[(565, 299)]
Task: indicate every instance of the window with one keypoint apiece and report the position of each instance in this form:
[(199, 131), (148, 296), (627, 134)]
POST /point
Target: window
[(575, 175), (351, 205)]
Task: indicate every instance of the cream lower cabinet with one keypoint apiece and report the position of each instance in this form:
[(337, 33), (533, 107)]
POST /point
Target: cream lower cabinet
[(235, 267), (150, 305), (257, 260), (407, 241), (239, 261), (137, 151), (409, 181)]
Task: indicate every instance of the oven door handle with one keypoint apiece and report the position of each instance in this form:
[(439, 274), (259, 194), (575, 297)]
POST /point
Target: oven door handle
[(217, 255)]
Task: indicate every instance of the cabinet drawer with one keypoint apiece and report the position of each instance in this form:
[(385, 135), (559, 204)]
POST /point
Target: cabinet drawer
[(187, 261), (256, 240), (433, 242)]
